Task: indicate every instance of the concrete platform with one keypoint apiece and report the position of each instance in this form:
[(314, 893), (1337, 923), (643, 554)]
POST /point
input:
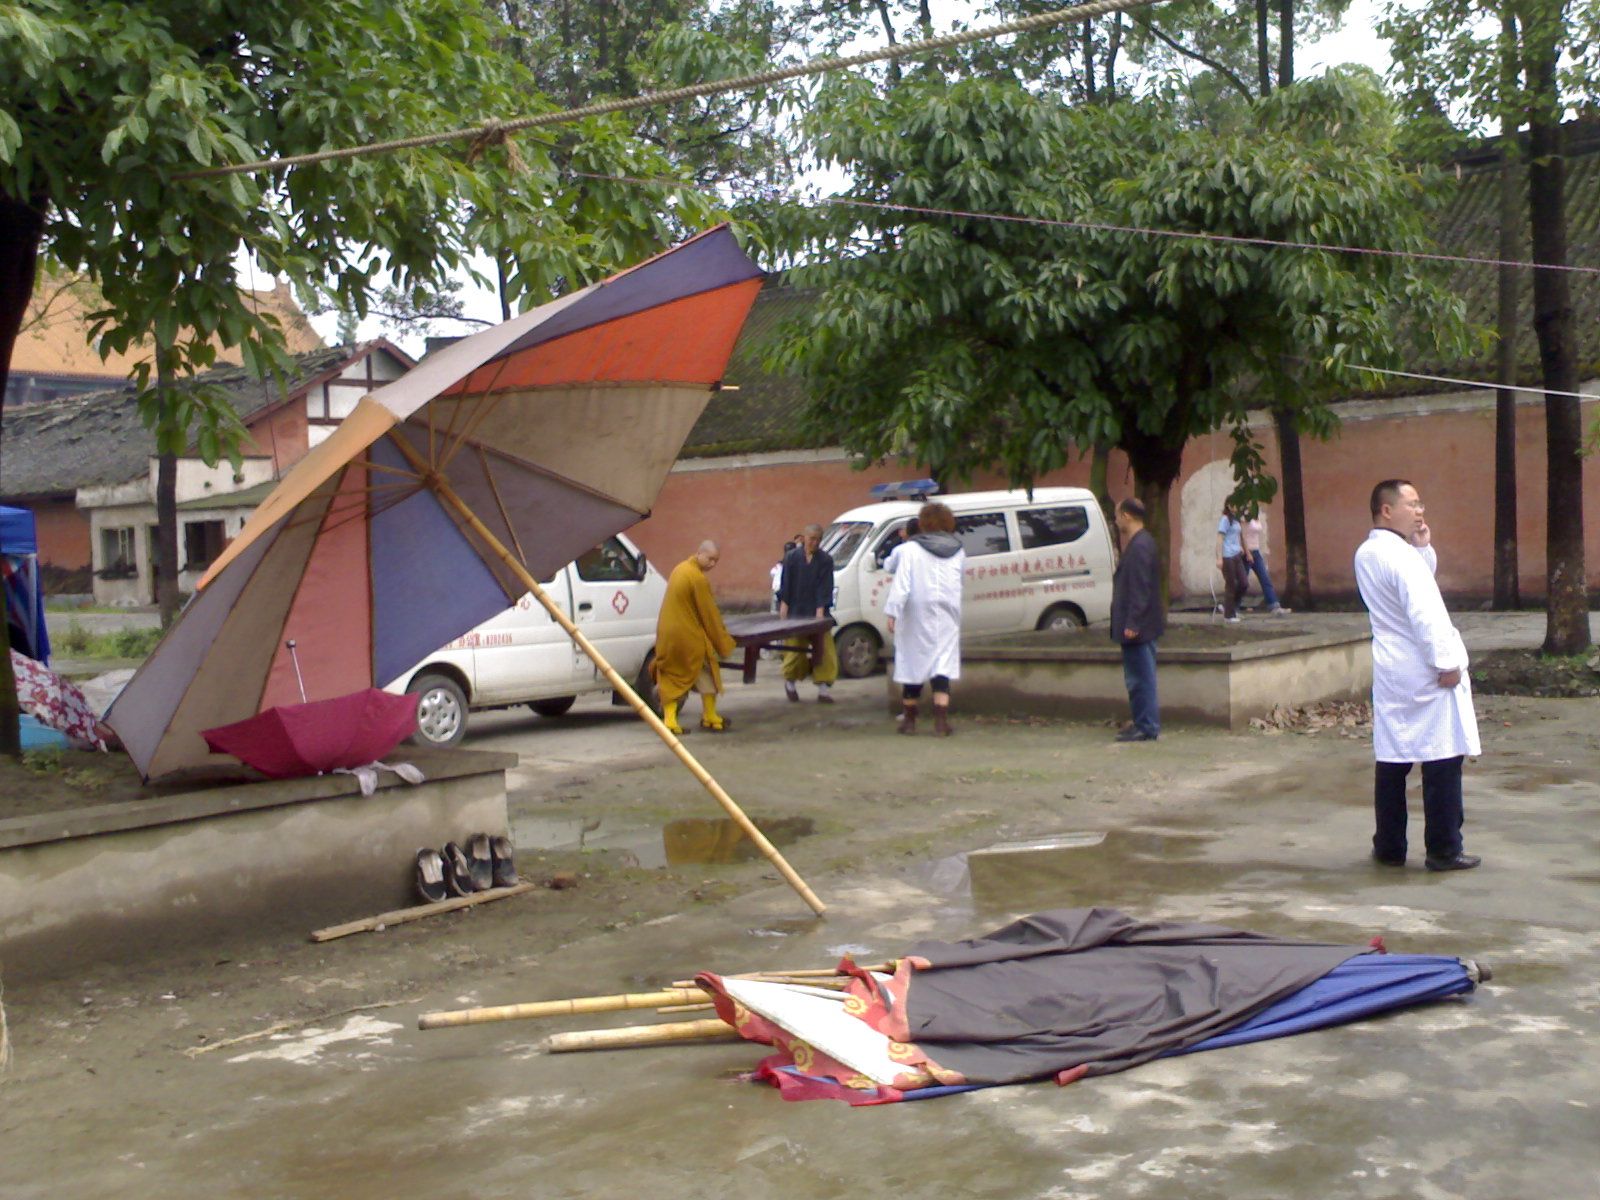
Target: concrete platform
[(115, 881), (1051, 674)]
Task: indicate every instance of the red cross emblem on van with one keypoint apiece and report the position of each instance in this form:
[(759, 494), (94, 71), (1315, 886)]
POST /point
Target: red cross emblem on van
[(620, 602)]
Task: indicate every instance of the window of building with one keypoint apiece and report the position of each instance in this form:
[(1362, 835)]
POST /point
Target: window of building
[(983, 533), (116, 553), (1052, 526), (609, 562), (202, 544)]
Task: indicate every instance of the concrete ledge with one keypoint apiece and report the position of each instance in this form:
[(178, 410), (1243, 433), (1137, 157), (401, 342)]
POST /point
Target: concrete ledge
[(119, 880), (1047, 674)]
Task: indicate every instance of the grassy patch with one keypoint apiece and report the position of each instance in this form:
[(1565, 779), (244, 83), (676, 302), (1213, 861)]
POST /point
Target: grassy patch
[(1530, 673), (78, 642)]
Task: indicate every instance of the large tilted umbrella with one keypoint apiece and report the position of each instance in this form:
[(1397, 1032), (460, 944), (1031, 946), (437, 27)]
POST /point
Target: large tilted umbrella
[(445, 496)]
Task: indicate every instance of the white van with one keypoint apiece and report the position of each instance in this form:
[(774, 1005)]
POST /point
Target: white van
[(523, 657), (1033, 562)]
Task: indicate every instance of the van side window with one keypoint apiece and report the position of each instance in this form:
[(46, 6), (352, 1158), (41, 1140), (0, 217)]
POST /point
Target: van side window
[(1052, 526), (982, 533), (609, 562), (887, 543)]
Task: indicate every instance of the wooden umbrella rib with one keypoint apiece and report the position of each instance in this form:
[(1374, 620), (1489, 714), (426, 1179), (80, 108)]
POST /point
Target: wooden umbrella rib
[(494, 490)]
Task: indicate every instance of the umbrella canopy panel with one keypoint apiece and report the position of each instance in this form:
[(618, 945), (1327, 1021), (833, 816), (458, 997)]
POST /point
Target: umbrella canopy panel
[(554, 430)]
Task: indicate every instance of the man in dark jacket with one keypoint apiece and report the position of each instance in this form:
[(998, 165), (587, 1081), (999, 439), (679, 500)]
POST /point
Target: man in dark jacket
[(806, 591), (1137, 620)]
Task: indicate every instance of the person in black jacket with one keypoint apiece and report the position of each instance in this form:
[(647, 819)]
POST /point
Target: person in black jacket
[(1137, 620), (804, 591)]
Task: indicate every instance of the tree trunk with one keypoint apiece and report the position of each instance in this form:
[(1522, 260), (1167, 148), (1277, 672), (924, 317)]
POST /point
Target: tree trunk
[(1113, 48), (21, 226), (167, 598), (1507, 589), (500, 278), (1156, 468), (1099, 484), (1285, 43), (1296, 587), (1087, 31), (1567, 620), (1263, 50)]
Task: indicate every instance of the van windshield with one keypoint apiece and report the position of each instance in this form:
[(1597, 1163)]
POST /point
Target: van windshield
[(842, 540)]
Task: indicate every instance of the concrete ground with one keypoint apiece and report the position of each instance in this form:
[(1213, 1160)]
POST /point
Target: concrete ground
[(1488, 1096)]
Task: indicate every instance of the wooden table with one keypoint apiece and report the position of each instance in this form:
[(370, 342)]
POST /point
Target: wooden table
[(764, 631)]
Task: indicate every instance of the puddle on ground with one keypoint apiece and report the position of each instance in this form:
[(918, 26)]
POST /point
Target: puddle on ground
[(1080, 868), (686, 842)]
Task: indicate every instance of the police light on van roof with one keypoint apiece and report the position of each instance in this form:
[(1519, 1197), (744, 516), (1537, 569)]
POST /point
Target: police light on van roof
[(911, 489)]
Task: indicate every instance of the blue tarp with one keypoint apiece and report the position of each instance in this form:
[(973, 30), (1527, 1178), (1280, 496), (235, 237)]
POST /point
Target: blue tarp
[(19, 565)]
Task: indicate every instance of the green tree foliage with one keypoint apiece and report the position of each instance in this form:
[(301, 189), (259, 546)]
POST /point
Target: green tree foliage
[(970, 343), (103, 107)]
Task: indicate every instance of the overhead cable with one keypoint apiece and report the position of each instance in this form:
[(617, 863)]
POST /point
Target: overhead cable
[(491, 131)]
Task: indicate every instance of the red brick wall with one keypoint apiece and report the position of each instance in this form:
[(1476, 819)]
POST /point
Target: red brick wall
[(63, 531), (1448, 453)]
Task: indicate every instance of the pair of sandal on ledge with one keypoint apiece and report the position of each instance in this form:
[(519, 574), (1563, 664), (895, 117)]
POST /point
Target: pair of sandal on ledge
[(482, 864)]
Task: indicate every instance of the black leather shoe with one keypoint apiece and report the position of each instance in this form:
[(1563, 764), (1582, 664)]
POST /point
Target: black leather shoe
[(1461, 862), (1134, 734), (1387, 860)]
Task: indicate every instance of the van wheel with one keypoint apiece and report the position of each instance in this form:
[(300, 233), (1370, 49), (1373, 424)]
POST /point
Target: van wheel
[(441, 711), (858, 648), (1061, 618), (553, 707)]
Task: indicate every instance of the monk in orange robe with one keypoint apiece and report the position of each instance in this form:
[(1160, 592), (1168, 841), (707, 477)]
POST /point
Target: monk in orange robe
[(690, 638)]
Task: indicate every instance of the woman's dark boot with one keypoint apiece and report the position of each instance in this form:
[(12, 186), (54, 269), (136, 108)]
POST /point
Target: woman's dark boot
[(908, 717), (941, 720)]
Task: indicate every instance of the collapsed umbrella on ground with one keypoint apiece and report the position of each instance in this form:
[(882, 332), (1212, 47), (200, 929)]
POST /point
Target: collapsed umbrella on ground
[(443, 499), (1061, 995)]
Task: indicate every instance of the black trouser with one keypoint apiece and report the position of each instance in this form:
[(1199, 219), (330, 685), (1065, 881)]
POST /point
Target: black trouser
[(1235, 582), (1441, 808), (941, 687)]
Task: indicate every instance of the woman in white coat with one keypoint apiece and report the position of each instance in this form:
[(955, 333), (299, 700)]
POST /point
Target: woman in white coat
[(1421, 696), (924, 615)]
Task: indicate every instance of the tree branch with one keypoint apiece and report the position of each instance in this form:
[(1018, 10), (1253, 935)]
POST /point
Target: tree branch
[(1187, 52)]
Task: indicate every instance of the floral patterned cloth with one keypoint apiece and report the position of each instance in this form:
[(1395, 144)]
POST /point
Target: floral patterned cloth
[(53, 702)]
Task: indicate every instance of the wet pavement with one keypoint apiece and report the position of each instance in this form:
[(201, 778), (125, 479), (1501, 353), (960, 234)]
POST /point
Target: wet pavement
[(1493, 1095)]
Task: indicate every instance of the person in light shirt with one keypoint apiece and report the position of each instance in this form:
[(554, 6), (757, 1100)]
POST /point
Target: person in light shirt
[(1421, 696)]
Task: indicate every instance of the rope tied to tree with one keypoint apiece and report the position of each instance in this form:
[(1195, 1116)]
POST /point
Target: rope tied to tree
[(496, 131), (493, 133)]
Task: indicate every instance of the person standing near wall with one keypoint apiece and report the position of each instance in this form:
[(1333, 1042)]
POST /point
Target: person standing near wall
[(1421, 696), (923, 613), (805, 591), (1230, 561), (1255, 561), (1138, 619)]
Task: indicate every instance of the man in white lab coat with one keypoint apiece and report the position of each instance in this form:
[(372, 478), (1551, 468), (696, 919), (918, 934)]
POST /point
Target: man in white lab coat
[(1421, 697)]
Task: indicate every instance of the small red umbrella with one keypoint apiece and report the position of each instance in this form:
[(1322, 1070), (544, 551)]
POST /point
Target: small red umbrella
[(291, 740)]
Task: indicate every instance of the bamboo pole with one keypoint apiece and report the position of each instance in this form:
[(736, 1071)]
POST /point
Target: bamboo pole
[(445, 492), (559, 1008), (683, 1008), (417, 911), (628, 1036)]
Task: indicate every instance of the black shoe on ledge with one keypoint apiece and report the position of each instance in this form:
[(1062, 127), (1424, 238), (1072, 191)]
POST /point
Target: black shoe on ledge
[(1461, 862)]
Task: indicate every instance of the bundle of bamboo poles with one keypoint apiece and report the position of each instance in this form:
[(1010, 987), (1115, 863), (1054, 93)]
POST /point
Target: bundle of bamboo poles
[(682, 996)]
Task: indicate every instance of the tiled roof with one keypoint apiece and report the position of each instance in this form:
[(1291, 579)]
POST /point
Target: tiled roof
[(764, 413), (86, 441), (1470, 225)]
